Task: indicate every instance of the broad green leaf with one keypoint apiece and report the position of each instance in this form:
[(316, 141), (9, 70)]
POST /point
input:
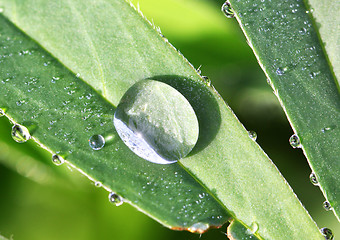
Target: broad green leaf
[(112, 47), (63, 112), (285, 41)]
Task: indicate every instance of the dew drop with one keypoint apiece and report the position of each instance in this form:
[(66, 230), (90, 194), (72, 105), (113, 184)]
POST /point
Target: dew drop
[(252, 135), (313, 179), (98, 184), (295, 141), (281, 71), (227, 10), (57, 160), (254, 227), (206, 80), (97, 142), (327, 206), (326, 129), (327, 233), (116, 199), (199, 227), (156, 122), (2, 112), (20, 133)]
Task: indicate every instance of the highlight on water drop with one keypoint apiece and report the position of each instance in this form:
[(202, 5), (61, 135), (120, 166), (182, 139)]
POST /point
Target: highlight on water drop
[(116, 199), (57, 160), (156, 122), (227, 10), (20, 133), (295, 141), (97, 142)]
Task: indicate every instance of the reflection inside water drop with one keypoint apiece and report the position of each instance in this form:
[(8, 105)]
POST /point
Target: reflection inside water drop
[(327, 233), (137, 143), (20, 134), (295, 141), (327, 206)]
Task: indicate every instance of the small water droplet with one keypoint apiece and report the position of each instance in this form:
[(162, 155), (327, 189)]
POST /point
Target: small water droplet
[(252, 135), (227, 10), (327, 233), (295, 141), (116, 199), (20, 133), (57, 160), (327, 206), (313, 179), (2, 112), (325, 129), (98, 184), (97, 142), (78, 75), (199, 227), (206, 80), (281, 71), (254, 227)]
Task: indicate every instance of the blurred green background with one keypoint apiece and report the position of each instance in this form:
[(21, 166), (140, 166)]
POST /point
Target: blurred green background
[(41, 201)]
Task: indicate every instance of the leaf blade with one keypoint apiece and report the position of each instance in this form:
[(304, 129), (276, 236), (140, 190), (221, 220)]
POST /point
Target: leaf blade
[(302, 80)]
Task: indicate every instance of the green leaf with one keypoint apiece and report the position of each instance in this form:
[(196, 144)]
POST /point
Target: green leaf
[(112, 47), (328, 30), (285, 40)]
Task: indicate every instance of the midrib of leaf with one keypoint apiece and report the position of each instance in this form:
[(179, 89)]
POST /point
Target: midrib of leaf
[(311, 104), (241, 167)]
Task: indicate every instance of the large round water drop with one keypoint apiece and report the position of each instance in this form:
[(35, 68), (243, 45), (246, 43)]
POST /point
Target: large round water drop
[(156, 122)]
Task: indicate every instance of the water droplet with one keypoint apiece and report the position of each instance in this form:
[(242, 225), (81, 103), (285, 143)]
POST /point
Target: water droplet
[(295, 141), (327, 233), (227, 10), (281, 71), (254, 227), (156, 122), (97, 142), (206, 80), (325, 129), (116, 199), (327, 206), (57, 160), (98, 184), (199, 227), (252, 135), (20, 133), (1, 9), (313, 179), (2, 112)]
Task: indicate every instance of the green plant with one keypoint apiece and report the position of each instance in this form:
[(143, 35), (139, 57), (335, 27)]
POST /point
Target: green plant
[(93, 113)]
